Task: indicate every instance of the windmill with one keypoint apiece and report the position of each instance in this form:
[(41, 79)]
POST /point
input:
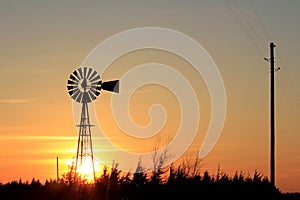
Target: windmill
[(84, 85)]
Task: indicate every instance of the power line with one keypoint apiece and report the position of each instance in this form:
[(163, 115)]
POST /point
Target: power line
[(248, 22), (292, 106), (290, 87), (244, 28), (260, 21), (289, 79), (290, 92)]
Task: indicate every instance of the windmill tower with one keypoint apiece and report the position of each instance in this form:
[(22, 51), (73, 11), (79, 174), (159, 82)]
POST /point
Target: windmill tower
[(84, 85)]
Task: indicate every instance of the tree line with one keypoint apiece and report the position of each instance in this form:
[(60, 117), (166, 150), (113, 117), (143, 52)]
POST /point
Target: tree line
[(170, 182)]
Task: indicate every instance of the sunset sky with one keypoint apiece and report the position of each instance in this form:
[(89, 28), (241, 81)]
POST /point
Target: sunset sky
[(42, 42)]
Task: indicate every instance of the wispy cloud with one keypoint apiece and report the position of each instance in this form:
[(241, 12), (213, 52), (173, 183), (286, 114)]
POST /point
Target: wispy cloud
[(18, 100), (42, 137)]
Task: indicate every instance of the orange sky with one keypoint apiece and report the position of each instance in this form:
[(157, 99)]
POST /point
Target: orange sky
[(42, 43)]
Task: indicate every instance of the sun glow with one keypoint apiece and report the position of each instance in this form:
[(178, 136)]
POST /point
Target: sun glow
[(85, 168)]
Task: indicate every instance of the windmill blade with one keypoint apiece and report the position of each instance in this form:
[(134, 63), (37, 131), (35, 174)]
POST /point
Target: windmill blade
[(92, 95), (71, 87), (80, 73), (94, 92), (71, 92), (76, 75), (86, 98), (97, 86), (112, 86), (96, 82), (79, 98), (97, 93), (93, 75), (89, 73), (95, 79), (74, 93), (95, 89), (71, 82), (84, 72)]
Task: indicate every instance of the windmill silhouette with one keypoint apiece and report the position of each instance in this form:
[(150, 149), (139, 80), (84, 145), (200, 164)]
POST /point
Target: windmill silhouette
[(84, 85)]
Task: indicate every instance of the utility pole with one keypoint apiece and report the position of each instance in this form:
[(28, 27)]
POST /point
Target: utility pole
[(272, 115), (57, 176)]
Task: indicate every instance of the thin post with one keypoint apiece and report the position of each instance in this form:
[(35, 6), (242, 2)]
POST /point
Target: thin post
[(57, 176)]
